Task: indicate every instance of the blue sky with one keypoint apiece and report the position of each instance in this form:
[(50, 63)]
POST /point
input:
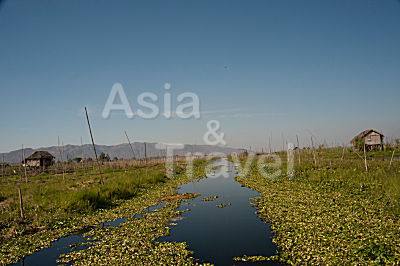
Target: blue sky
[(326, 68)]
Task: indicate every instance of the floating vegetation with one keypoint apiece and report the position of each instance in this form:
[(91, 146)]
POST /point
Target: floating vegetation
[(177, 218), (323, 217), (223, 205), (79, 245), (211, 198), (184, 196), (131, 242), (254, 258), (134, 241)]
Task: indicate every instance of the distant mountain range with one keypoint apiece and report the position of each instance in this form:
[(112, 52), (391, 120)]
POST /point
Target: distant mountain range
[(121, 151)]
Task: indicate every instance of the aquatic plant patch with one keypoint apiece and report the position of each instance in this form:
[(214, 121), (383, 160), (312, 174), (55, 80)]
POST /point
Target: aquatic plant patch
[(252, 258), (184, 196), (331, 213), (133, 242), (223, 205), (210, 198), (147, 195)]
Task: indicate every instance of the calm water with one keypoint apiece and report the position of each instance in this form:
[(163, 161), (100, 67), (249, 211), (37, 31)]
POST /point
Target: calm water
[(215, 234), (49, 256)]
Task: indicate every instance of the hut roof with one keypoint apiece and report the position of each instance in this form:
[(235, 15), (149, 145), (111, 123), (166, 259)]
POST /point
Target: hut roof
[(40, 155), (365, 133)]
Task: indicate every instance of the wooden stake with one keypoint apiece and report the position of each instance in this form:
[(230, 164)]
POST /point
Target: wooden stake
[(133, 152), (344, 147), (94, 147), (315, 158), (83, 157), (62, 158), (61, 153), (23, 159), (298, 147), (365, 159), (145, 156), (269, 144), (2, 168), (390, 165), (58, 148), (21, 204), (19, 166)]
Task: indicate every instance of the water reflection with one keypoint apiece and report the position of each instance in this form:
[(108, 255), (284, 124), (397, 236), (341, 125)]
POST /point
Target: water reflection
[(215, 234)]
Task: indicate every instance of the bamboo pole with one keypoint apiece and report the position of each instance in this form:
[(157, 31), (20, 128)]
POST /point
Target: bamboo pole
[(23, 159), (359, 155), (21, 204), (62, 158), (315, 158), (391, 159), (2, 168), (58, 148), (19, 166), (133, 152), (298, 147), (269, 144), (365, 159), (61, 153), (344, 147), (83, 157), (94, 147), (145, 155)]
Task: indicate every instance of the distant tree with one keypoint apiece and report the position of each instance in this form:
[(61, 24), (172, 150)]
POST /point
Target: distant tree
[(359, 143), (78, 159), (115, 158), (104, 157)]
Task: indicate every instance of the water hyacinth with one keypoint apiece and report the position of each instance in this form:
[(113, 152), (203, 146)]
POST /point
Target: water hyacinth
[(210, 198), (332, 213), (223, 205), (135, 236)]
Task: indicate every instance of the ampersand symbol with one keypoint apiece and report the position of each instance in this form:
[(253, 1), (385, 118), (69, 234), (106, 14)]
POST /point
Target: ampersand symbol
[(213, 126)]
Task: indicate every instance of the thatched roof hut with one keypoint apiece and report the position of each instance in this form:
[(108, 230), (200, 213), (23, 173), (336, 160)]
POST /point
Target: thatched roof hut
[(370, 137), (39, 158)]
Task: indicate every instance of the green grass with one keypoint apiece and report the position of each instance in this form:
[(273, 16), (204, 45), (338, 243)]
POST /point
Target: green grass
[(49, 199), (63, 210), (333, 212)]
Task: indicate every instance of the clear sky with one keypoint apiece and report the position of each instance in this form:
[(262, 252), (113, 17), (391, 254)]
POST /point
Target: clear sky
[(327, 68)]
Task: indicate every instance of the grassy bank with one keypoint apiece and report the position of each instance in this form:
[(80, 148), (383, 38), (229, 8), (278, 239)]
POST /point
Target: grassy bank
[(333, 211), (49, 198), (56, 207)]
